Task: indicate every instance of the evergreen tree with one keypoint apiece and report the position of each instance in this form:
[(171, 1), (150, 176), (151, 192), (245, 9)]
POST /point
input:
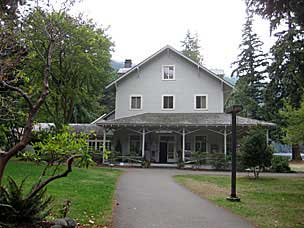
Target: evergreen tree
[(191, 47), (250, 69), (287, 68)]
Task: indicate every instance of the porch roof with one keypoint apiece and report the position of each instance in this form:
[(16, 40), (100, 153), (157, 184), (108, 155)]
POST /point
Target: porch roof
[(181, 119)]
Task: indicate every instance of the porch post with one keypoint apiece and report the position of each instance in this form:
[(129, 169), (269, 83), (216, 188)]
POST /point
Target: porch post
[(104, 144), (267, 136), (225, 142), (183, 146), (143, 143)]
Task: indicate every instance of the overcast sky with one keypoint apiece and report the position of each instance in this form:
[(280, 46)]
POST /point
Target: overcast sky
[(141, 27)]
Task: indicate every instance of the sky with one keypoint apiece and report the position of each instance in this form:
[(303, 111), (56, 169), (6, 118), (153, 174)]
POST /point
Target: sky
[(139, 28)]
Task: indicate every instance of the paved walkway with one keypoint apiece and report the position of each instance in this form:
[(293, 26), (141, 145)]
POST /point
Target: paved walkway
[(150, 198)]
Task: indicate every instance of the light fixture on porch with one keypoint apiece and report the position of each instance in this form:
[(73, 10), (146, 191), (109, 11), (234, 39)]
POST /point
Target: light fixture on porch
[(233, 110)]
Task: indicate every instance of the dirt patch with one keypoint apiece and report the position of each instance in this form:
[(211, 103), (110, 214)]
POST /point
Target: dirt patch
[(297, 166), (204, 189)]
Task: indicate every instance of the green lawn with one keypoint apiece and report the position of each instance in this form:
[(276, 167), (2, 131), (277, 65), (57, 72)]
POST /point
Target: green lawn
[(91, 191), (267, 202)]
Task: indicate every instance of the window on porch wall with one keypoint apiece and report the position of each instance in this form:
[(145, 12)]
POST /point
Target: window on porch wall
[(96, 145), (135, 145), (200, 143)]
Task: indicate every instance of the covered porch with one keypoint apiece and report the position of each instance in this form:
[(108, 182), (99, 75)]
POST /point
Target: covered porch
[(169, 138)]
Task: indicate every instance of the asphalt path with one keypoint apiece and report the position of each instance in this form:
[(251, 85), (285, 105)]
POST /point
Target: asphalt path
[(149, 198)]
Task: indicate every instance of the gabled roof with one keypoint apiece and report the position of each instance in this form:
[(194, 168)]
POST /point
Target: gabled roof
[(182, 119), (134, 68)]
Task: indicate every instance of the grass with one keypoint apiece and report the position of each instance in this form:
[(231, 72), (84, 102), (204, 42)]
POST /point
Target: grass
[(267, 202), (91, 191)]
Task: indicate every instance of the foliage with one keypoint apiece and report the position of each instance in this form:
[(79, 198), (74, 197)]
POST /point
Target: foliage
[(255, 153), (280, 164), (250, 68), (294, 130), (191, 47), (199, 158), (81, 67), (287, 65), (218, 161), (278, 11), (17, 208), (58, 147)]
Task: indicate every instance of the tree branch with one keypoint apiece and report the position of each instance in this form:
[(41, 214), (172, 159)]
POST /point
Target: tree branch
[(34, 110), (20, 91), (41, 185)]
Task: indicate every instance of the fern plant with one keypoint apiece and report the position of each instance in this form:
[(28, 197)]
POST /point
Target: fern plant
[(18, 208)]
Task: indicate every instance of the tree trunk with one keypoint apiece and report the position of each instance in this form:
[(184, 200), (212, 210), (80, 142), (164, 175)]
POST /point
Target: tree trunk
[(3, 163), (296, 153)]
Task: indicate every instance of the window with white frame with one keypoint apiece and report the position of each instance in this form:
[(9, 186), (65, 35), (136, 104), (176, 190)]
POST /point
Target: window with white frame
[(200, 143), (200, 102), (168, 102), (134, 144), (168, 72), (135, 102)]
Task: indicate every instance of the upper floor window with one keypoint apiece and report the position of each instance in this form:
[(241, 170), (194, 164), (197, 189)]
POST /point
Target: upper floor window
[(200, 102), (168, 102), (168, 72), (136, 102)]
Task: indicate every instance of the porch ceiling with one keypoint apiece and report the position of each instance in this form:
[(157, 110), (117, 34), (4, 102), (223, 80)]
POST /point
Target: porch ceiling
[(181, 120)]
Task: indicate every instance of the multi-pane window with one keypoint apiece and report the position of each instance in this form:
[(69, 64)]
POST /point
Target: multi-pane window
[(168, 72), (134, 144), (200, 143), (168, 102), (136, 102), (200, 102)]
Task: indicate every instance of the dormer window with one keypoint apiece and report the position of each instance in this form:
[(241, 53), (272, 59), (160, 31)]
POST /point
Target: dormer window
[(168, 72), (135, 102)]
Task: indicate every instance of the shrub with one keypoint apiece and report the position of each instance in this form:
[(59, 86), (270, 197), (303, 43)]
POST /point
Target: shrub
[(16, 208), (255, 153), (218, 161), (199, 158), (280, 164)]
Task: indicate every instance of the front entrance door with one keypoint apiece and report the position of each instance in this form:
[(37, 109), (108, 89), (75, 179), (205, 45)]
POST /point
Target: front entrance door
[(167, 148), (163, 152)]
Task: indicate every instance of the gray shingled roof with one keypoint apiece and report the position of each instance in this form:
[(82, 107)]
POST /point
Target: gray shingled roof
[(182, 119)]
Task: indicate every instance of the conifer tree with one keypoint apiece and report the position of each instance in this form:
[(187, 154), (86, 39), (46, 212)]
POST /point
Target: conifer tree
[(250, 69), (191, 47)]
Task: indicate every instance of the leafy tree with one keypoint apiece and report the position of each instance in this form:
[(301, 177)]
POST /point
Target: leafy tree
[(250, 69), (15, 80), (255, 152), (294, 130), (191, 47), (80, 69)]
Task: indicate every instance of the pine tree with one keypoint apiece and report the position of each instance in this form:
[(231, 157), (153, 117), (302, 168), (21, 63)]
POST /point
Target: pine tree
[(191, 47), (250, 68)]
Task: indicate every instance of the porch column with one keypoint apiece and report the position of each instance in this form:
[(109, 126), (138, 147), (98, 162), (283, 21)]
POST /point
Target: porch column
[(104, 144), (267, 136), (143, 143), (183, 146), (225, 142)]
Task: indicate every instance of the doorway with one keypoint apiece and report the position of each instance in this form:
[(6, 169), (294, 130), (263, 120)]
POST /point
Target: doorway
[(167, 148)]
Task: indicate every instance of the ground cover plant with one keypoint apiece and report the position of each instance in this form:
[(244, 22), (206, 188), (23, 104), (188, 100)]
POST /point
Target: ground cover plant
[(90, 191), (267, 202)]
